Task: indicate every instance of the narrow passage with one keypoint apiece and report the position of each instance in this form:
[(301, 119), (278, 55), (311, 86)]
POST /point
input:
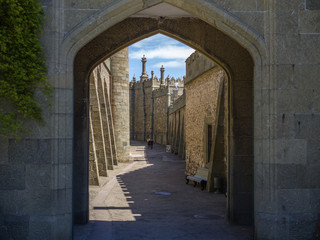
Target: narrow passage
[(147, 198)]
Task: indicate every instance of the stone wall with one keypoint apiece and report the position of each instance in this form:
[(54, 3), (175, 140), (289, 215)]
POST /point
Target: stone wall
[(160, 119), (139, 112), (120, 103), (148, 108), (150, 99), (202, 97), (270, 50), (176, 132), (102, 148), (197, 64)]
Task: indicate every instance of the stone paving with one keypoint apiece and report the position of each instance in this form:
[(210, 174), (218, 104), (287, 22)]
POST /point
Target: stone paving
[(147, 198)]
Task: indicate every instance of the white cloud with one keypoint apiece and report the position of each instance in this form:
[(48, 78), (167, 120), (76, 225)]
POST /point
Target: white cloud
[(169, 64), (137, 45), (159, 47), (163, 52), (159, 50), (157, 39)]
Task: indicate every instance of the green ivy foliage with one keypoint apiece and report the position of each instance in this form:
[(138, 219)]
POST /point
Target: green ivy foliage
[(22, 65)]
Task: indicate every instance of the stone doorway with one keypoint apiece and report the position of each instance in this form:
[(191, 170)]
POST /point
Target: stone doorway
[(215, 44)]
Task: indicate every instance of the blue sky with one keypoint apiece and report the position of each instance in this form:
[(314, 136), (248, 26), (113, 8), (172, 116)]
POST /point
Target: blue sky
[(159, 50)]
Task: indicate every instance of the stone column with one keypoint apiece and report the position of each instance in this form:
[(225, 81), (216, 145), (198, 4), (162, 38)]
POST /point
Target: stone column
[(120, 103)]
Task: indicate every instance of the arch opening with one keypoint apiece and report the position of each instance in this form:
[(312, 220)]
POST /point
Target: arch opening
[(213, 43)]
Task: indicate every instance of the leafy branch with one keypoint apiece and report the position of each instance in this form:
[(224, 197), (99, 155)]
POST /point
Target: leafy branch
[(22, 65)]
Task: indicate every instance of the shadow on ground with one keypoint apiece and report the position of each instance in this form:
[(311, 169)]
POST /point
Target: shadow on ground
[(152, 201)]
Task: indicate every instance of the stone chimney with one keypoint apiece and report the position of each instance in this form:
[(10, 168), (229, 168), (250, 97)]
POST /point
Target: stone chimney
[(162, 75), (144, 75)]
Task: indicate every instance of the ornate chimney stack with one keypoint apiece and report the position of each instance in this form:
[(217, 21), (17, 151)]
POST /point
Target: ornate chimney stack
[(144, 75), (168, 82), (168, 90), (162, 75)]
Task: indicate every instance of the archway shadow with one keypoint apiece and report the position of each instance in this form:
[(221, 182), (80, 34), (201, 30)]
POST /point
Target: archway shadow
[(152, 201), (225, 51)]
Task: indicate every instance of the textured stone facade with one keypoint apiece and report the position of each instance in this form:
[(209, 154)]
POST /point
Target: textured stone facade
[(150, 99), (176, 132), (270, 51), (102, 147), (206, 87), (120, 103)]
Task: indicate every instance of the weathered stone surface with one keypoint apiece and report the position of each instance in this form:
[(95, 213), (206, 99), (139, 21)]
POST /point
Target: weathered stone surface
[(82, 4), (301, 225), (287, 21), (120, 103), (38, 176), (61, 203), (290, 151), (70, 27), (197, 65), (62, 151), (33, 202), (61, 229), (12, 177), (201, 101), (312, 4), (313, 151), (39, 229), (307, 18), (7, 206), (17, 227), (307, 126), (176, 128), (4, 151), (273, 226), (63, 100), (300, 49), (149, 105), (293, 200)]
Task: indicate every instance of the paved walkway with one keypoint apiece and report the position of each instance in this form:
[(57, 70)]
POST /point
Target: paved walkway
[(148, 199)]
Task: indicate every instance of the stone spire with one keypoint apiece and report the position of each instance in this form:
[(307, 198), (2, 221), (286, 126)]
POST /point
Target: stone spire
[(134, 79), (144, 75), (152, 73), (162, 75)]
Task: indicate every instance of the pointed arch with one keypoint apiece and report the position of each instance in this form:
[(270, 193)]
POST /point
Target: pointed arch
[(212, 31)]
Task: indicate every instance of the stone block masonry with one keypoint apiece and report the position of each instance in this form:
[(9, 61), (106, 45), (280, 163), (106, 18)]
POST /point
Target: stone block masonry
[(102, 149), (176, 128), (270, 50), (109, 130), (203, 95), (120, 103), (149, 105)]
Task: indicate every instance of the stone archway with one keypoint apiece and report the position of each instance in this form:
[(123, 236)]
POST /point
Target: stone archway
[(218, 46)]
